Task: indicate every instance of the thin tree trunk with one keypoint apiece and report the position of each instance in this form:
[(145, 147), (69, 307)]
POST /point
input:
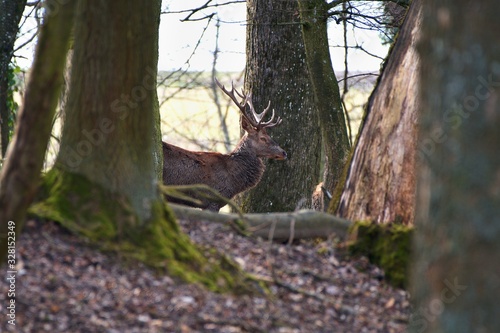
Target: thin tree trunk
[(380, 184), (10, 14), (314, 14), (21, 172), (456, 270), (276, 71)]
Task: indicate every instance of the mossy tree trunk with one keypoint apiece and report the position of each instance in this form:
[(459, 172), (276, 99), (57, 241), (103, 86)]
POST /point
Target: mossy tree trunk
[(111, 134), (314, 15), (456, 270), (380, 183), (276, 71), (10, 14), (21, 171), (105, 181)]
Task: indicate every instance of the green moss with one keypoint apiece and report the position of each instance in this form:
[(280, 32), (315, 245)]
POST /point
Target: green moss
[(78, 205), (108, 220), (386, 245)]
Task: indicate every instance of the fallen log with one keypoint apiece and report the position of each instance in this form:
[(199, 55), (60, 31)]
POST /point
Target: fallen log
[(302, 224)]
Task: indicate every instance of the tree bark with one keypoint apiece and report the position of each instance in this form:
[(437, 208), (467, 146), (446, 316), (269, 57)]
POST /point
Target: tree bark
[(456, 271), (11, 13), (332, 123), (21, 172), (276, 71), (380, 184), (111, 121)]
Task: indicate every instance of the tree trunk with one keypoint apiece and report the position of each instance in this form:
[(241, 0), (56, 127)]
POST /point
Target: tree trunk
[(456, 273), (11, 13), (314, 15), (276, 71), (380, 184), (21, 172), (105, 181), (109, 134)]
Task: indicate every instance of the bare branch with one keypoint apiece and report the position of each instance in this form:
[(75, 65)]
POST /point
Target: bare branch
[(206, 5), (358, 75)]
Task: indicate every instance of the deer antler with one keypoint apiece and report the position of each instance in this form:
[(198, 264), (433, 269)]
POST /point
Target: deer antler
[(257, 118), (241, 105), (260, 116)]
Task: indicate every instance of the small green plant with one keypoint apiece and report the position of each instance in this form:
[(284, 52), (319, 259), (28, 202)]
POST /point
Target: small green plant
[(14, 85)]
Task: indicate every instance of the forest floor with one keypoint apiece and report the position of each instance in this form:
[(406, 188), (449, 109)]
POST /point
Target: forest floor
[(65, 285)]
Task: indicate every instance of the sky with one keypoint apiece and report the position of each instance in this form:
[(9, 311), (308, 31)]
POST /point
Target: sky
[(178, 40)]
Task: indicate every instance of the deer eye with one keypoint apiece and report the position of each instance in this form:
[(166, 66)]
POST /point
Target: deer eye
[(263, 139)]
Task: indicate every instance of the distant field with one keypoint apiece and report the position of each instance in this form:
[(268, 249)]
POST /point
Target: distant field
[(355, 101), (191, 120)]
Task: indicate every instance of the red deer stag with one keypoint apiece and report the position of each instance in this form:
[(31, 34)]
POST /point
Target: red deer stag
[(232, 173)]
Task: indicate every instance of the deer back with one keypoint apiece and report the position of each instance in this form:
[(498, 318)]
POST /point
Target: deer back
[(227, 174)]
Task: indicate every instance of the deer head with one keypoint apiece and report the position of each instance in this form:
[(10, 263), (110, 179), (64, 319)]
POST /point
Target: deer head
[(256, 138)]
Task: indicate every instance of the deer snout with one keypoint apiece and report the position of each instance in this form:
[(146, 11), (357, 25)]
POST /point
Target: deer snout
[(281, 156)]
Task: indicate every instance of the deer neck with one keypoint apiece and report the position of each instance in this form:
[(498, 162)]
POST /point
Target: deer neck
[(247, 167)]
